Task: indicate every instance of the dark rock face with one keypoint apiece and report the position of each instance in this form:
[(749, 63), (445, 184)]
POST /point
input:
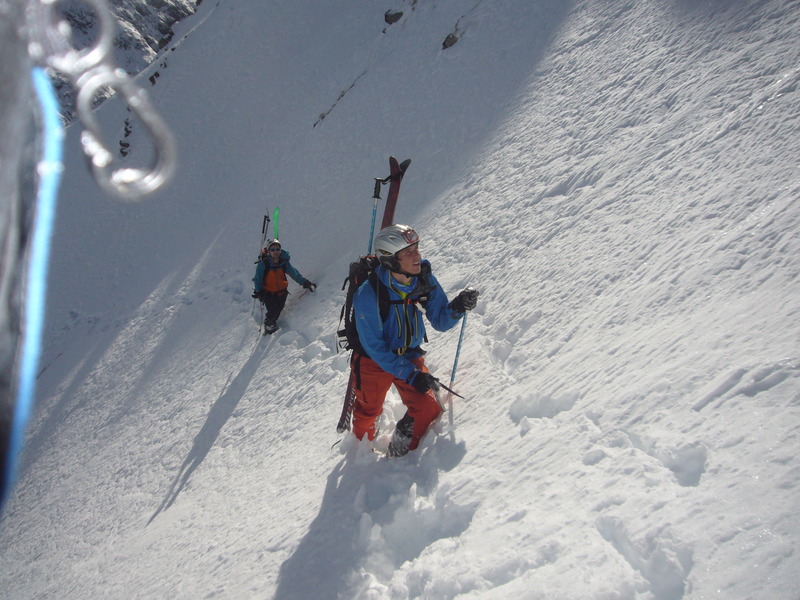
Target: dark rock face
[(392, 16), (143, 26)]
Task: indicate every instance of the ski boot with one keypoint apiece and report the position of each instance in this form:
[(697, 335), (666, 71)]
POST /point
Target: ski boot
[(270, 326), (401, 439)]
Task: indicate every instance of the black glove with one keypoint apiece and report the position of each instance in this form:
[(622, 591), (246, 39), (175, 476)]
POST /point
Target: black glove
[(466, 300), (310, 286), (422, 382), (255, 294)]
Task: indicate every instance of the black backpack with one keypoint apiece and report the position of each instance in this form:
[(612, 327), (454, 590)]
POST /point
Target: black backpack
[(364, 270)]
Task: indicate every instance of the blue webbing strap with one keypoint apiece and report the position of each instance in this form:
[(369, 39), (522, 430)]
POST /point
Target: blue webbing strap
[(49, 171)]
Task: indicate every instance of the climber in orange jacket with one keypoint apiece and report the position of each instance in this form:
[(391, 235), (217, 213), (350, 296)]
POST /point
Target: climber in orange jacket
[(270, 283)]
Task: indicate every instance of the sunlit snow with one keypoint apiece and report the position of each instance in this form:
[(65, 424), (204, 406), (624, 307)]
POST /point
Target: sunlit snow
[(619, 179)]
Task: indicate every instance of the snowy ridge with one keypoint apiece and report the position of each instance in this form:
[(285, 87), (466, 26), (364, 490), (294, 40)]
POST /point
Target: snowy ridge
[(618, 179)]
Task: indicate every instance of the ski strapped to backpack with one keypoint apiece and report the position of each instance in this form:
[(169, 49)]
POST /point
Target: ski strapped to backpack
[(264, 227), (396, 172), (262, 251), (261, 255), (394, 179), (359, 272)]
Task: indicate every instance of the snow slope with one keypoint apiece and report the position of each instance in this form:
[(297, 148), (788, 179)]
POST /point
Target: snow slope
[(620, 180)]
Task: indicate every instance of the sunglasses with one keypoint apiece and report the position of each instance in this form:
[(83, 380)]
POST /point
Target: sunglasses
[(274, 249)]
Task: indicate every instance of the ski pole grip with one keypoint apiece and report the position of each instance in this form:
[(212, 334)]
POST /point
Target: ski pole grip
[(264, 224), (377, 192)]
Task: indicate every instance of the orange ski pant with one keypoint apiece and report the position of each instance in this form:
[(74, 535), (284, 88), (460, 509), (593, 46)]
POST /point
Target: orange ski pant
[(372, 385)]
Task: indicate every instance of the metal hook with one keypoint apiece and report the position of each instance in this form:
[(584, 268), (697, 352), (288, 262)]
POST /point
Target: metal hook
[(128, 183)]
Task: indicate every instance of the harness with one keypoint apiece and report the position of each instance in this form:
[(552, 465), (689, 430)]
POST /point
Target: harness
[(419, 295), (364, 270)]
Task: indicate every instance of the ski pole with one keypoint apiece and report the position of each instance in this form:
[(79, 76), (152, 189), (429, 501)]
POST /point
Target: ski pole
[(264, 224), (377, 196), (458, 350), (453, 376)]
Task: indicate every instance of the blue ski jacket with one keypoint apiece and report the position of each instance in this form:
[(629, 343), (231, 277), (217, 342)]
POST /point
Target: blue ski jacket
[(279, 271), (393, 342)]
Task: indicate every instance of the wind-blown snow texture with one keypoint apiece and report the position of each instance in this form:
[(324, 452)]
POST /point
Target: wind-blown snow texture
[(620, 179)]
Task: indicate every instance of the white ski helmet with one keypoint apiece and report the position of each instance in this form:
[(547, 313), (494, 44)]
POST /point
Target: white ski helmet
[(267, 246), (390, 240)]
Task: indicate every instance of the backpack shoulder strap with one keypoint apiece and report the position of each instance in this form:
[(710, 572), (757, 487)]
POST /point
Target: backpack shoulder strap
[(419, 295), (382, 293), (424, 286)]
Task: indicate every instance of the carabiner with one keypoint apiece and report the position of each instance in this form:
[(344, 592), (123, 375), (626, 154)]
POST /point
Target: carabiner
[(127, 183)]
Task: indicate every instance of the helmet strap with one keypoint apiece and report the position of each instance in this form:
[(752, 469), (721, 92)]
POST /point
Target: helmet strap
[(394, 266), (403, 273)]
